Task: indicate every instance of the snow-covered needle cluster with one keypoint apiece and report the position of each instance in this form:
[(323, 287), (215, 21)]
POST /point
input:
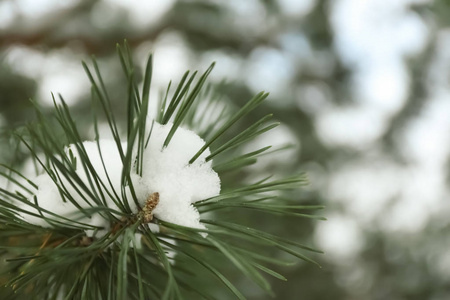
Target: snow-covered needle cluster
[(165, 170), (145, 214)]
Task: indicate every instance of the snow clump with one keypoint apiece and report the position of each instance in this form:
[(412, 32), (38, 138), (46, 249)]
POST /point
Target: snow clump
[(166, 170)]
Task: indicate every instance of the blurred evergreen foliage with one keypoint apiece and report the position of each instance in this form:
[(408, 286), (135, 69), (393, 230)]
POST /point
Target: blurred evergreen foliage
[(16, 91)]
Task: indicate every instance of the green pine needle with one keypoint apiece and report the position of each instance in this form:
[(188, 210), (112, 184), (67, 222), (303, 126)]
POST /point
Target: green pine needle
[(131, 260)]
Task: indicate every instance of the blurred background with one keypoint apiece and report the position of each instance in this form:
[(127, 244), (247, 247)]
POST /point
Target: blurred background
[(361, 87)]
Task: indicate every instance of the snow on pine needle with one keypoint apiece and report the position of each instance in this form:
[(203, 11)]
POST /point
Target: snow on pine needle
[(143, 215), (166, 173)]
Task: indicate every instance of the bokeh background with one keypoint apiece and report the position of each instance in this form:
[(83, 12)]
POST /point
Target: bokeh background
[(361, 87)]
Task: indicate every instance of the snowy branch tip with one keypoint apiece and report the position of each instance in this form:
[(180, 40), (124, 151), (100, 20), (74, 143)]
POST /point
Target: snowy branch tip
[(168, 187)]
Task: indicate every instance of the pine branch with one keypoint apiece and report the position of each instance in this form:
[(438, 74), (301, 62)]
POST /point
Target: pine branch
[(92, 225)]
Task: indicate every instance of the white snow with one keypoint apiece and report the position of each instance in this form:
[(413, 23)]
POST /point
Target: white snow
[(166, 170)]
